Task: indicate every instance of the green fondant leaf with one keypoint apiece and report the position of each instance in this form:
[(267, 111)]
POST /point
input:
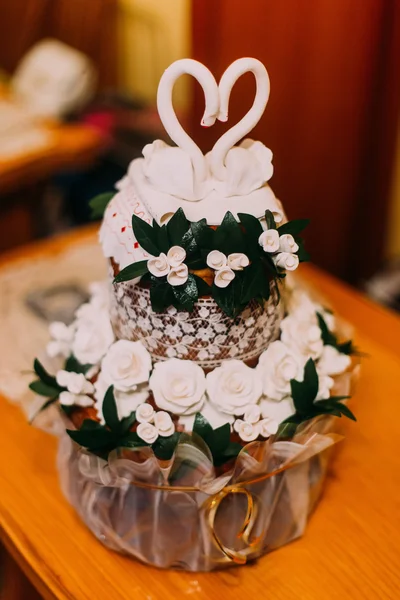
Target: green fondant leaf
[(270, 220), (110, 411), (44, 375), (203, 234), (229, 236), (177, 226), (132, 271), (74, 366), (98, 204), (164, 447), (41, 388), (186, 295), (202, 286), (293, 227), (145, 235), (161, 296), (126, 423), (252, 225)]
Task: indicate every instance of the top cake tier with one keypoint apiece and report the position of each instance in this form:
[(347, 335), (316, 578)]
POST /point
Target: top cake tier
[(185, 227), (229, 178)]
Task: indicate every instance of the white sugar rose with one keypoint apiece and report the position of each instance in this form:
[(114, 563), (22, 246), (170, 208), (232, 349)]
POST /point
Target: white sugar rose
[(178, 386), (277, 366), (248, 432), (125, 365), (302, 334), (159, 265), (93, 337), (216, 260), (147, 432), (269, 240), (163, 423), (145, 413), (287, 243), (238, 261), (332, 362), (233, 387), (176, 255), (223, 277), (287, 261), (178, 275), (78, 388)]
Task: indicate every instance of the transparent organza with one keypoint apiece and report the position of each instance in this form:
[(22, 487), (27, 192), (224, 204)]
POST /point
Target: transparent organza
[(179, 514)]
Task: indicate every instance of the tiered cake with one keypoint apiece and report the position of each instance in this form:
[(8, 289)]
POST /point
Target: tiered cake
[(198, 365)]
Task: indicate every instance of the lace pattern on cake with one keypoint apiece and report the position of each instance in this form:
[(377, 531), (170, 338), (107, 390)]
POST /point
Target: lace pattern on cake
[(206, 335)]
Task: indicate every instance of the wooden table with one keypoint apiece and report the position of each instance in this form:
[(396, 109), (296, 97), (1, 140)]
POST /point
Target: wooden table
[(351, 548)]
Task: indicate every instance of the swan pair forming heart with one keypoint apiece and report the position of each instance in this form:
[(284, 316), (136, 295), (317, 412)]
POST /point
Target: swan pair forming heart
[(184, 171)]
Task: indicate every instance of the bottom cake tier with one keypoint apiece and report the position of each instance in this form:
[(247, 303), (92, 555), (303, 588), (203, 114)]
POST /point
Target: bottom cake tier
[(265, 504)]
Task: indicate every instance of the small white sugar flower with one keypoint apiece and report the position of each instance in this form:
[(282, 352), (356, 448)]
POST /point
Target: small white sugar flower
[(145, 413), (147, 432), (216, 260), (237, 424), (77, 389), (164, 424), (287, 243), (248, 432), (269, 240), (62, 338), (238, 261), (69, 399), (159, 266), (268, 427), (178, 275), (175, 256), (252, 414), (287, 261), (223, 277)]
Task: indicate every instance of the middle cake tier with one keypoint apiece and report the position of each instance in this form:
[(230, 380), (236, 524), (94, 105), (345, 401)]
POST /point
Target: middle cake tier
[(206, 335)]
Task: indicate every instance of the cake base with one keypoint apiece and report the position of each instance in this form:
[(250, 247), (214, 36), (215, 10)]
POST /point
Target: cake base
[(197, 528)]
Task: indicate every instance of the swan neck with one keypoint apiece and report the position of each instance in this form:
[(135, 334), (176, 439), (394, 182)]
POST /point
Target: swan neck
[(167, 114)]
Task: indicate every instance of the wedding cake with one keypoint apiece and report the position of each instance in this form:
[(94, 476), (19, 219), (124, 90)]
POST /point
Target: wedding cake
[(200, 364)]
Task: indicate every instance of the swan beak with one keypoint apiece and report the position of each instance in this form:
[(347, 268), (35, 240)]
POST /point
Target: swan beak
[(208, 120)]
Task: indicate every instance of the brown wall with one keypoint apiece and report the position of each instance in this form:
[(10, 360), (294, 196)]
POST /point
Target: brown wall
[(332, 115)]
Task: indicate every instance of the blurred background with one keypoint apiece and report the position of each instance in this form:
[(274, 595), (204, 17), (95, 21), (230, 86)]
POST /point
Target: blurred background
[(78, 82)]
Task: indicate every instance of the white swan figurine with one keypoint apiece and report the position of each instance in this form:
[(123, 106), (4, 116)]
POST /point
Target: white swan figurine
[(247, 167), (181, 171)]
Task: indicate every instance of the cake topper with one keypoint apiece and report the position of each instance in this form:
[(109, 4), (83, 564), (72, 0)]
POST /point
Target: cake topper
[(248, 166), (230, 170), (181, 171)]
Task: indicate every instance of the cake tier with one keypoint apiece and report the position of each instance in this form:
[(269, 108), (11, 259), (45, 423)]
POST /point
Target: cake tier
[(206, 335)]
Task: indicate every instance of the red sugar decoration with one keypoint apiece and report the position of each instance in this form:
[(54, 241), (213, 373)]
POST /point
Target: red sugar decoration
[(123, 229), (115, 214), (136, 245)]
